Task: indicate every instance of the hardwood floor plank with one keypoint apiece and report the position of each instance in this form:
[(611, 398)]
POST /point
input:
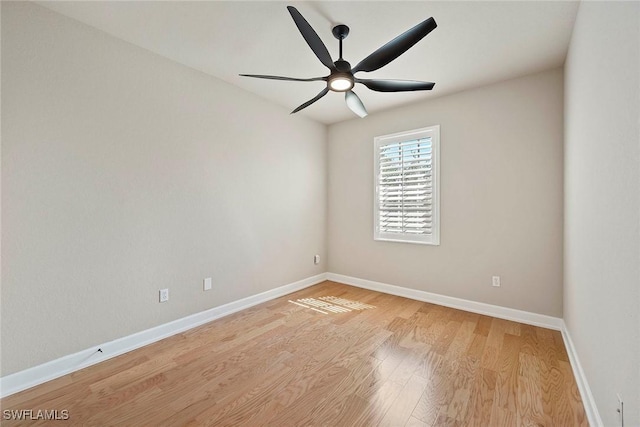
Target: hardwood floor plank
[(409, 365), (529, 339), (372, 384), (461, 341), (434, 396), (379, 404), (529, 398), (503, 417), (446, 337), (410, 309), (430, 365), (399, 363), (483, 326), (476, 347), (561, 351), (507, 379), (402, 408), (463, 372), (352, 407), (578, 416), (414, 422), (481, 400), (336, 407), (493, 345)]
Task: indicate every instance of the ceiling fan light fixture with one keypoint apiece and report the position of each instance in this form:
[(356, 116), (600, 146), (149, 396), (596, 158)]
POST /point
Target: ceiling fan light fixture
[(340, 82), (341, 78)]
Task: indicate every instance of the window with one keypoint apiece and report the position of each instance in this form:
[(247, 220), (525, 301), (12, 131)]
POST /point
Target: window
[(406, 199)]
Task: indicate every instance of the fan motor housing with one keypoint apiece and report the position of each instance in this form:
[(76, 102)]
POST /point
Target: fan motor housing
[(342, 66)]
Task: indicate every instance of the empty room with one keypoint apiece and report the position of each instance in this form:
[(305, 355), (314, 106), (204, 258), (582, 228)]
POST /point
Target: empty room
[(324, 213)]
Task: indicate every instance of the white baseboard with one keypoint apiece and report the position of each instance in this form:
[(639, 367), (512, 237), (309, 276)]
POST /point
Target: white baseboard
[(458, 303), (581, 379), (31, 377)]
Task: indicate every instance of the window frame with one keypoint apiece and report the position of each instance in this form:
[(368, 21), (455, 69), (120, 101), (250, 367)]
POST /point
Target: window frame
[(380, 141)]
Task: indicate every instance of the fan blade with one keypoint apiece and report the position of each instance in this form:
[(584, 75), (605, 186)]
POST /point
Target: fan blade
[(293, 79), (311, 101), (395, 47), (311, 37), (395, 85), (354, 103)]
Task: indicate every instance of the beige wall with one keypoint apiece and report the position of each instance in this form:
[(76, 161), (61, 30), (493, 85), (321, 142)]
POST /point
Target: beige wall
[(501, 196), (124, 173), (602, 208)]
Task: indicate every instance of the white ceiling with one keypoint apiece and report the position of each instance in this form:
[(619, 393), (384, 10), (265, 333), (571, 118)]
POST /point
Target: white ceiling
[(476, 42)]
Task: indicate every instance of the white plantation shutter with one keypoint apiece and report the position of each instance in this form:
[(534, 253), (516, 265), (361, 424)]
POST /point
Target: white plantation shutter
[(405, 187), (406, 198)]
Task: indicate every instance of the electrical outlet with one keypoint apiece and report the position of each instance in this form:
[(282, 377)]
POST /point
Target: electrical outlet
[(495, 281), (164, 295), (620, 409), (207, 284), (316, 259)]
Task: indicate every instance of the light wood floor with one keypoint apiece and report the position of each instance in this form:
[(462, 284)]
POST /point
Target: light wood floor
[(402, 363)]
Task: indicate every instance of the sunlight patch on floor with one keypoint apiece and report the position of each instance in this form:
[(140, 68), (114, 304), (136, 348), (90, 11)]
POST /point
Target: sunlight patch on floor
[(330, 304)]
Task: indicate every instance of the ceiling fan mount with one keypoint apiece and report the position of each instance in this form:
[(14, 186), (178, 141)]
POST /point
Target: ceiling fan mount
[(340, 32), (341, 77)]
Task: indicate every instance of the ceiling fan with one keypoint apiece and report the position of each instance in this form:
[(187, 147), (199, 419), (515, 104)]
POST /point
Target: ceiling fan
[(341, 78)]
